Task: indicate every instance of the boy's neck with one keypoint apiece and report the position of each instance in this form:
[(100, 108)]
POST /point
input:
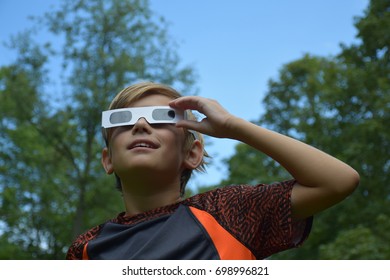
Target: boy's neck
[(139, 202)]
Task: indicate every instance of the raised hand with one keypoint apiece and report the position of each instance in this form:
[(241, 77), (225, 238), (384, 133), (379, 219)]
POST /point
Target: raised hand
[(217, 122)]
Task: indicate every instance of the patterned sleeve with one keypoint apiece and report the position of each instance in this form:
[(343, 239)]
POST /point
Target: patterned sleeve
[(75, 251), (259, 216)]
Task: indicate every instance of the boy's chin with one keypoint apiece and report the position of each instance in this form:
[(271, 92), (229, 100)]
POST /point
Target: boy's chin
[(145, 168)]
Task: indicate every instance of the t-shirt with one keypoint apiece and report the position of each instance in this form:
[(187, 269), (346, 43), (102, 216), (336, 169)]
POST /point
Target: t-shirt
[(233, 222)]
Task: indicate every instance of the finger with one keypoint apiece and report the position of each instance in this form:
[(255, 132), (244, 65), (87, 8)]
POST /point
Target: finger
[(189, 103), (189, 124), (201, 127)]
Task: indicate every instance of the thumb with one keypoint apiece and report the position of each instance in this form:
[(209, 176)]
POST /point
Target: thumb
[(188, 124)]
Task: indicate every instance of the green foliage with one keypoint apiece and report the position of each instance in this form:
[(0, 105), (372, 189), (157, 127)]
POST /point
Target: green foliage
[(360, 242), (341, 105), (258, 168), (52, 185)]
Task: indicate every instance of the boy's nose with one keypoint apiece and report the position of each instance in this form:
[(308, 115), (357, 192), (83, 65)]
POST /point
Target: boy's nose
[(141, 125)]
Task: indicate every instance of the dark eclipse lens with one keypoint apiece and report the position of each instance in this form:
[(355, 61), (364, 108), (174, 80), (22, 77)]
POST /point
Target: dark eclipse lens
[(163, 114), (120, 117), (171, 114)]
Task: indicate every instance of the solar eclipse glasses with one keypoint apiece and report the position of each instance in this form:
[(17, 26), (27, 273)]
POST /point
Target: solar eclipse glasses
[(152, 114)]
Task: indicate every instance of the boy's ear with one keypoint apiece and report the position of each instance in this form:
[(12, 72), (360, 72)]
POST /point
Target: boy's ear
[(106, 161), (194, 155)]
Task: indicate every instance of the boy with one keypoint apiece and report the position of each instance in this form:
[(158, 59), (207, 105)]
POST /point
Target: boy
[(152, 152)]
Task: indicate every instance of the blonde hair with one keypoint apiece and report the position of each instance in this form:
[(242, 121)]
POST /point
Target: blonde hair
[(135, 92)]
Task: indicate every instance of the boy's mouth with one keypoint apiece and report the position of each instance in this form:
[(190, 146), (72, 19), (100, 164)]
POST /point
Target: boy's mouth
[(142, 144)]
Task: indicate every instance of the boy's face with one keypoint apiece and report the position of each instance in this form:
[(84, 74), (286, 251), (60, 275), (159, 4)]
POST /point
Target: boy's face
[(145, 149)]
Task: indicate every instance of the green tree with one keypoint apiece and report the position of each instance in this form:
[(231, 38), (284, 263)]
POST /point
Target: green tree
[(52, 185), (341, 105), (360, 242)]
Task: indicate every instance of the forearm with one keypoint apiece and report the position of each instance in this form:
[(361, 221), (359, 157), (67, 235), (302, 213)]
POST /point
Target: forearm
[(308, 165)]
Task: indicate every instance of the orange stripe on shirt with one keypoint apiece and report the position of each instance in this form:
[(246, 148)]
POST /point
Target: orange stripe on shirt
[(85, 253), (228, 247)]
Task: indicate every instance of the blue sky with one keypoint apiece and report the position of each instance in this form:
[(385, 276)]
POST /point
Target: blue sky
[(235, 46)]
